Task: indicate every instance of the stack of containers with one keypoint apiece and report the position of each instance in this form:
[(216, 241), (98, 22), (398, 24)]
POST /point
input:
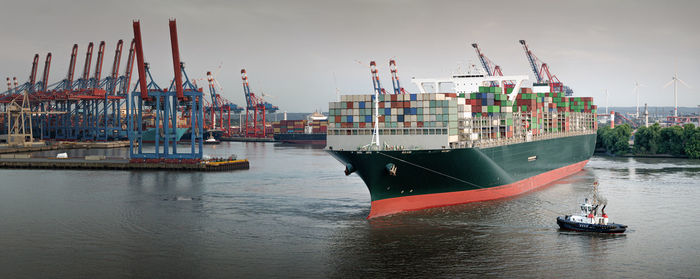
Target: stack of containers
[(490, 107), (585, 105), (289, 126), (318, 126), (532, 103), (437, 111)]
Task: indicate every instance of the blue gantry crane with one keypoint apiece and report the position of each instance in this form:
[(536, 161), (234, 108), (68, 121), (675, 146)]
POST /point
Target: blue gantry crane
[(541, 69), (181, 97)]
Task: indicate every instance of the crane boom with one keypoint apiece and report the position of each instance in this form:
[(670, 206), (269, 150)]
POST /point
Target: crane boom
[(45, 76), (249, 97), (533, 61), (140, 60), (88, 60), (35, 65), (100, 59), (395, 78), (71, 66), (375, 78), (176, 59), (129, 67), (485, 62)]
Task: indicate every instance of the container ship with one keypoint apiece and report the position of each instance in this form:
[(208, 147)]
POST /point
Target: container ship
[(490, 139), (310, 131)]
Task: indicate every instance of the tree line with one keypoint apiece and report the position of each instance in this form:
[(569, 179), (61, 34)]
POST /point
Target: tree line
[(674, 140)]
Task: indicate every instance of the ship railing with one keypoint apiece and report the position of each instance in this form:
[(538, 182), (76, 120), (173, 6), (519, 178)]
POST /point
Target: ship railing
[(484, 143)]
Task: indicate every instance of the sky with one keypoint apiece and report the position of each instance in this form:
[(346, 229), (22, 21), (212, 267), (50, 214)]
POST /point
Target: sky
[(299, 52)]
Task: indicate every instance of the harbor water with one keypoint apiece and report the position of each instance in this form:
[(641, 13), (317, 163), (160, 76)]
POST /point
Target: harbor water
[(295, 214)]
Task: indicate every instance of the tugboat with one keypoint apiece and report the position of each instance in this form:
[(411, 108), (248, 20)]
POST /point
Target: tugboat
[(588, 221), (211, 140)]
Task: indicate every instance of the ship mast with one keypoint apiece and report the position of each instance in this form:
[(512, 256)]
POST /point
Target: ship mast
[(377, 89)]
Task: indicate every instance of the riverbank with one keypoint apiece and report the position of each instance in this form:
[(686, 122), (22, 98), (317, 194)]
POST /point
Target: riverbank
[(603, 153)]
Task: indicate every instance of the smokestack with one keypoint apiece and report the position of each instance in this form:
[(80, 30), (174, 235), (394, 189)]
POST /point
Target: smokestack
[(612, 119)]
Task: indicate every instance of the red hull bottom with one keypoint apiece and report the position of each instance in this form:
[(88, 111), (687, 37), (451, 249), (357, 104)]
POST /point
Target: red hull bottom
[(412, 203)]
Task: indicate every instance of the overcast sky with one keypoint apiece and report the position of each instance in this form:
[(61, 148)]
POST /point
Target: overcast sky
[(291, 49)]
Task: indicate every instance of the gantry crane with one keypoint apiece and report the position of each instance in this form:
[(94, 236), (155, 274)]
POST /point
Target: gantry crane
[(540, 69), (256, 108), (395, 78), (491, 68), (375, 78), (221, 105), (180, 97)]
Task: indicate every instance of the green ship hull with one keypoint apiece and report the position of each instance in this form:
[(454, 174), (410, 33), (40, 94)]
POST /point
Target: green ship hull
[(149, 136), (416, 179)]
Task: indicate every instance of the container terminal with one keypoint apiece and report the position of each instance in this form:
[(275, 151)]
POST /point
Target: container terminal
[(92, 111)]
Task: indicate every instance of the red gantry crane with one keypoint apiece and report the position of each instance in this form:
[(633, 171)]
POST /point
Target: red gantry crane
[(256, 107)]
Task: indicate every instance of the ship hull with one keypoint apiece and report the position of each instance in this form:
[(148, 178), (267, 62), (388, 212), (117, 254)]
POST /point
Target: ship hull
[(300, 138), (433, 178), (149, 136)]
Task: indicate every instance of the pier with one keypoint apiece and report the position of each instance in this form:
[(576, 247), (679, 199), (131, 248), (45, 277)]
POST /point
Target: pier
[(25, 161)]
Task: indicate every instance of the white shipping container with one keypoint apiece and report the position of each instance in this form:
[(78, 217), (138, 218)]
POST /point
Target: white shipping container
[(440, 97)]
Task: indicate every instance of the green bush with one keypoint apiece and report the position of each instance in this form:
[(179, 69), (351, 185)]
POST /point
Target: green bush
[(675, 140), (616, 140), (647, 140)]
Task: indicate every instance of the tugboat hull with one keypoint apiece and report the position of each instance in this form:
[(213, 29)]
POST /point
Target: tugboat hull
[(565, 224)]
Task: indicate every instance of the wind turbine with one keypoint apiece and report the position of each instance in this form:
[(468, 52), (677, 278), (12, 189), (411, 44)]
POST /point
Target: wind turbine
[(675, 80)]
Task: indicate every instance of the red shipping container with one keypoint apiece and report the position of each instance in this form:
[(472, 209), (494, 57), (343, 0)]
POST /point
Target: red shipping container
[(337, 119), (381, 104), (381, 118), (393, 98), (349, 105), (362, 124), (419, 124), (407, 124)]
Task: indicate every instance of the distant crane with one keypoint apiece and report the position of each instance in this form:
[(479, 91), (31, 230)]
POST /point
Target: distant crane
[(491, 68), (255, 110), (540, 69), (375, 78), (222, 105), (395, 78)]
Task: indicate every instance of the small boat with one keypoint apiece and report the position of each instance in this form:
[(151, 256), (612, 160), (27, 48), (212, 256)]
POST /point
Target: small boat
[(588, 221), (211, 140)]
